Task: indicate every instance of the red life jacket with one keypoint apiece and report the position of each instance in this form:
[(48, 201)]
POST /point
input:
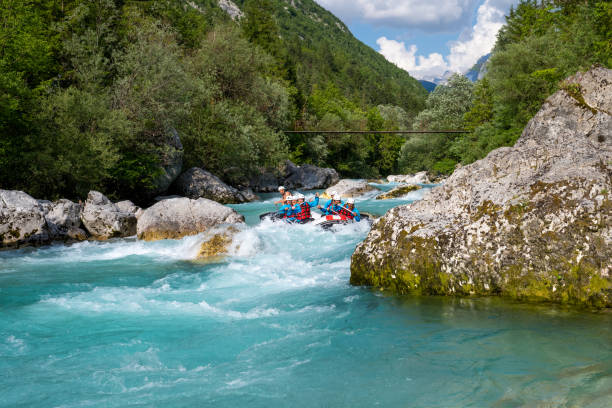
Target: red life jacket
[(305, 213), (347, 213)]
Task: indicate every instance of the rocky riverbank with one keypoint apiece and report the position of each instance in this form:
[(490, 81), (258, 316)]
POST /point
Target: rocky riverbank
[(529, 222), (27, 221)]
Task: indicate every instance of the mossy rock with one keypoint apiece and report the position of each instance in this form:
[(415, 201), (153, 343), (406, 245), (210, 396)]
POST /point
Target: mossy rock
[(217, 246), (399, 191)]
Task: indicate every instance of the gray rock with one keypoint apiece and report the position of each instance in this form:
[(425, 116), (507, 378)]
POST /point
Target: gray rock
[(533, 221), (104, 220), (350, 188), (178, 217), (231, 9), (418, 178), (129, 207), (249, 195), (162, 198), (198, 183), (308, 177), (265, 181), (22, 220), (63, 220)]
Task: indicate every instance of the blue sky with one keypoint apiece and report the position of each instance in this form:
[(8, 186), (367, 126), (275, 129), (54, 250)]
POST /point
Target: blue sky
[(426, 38)]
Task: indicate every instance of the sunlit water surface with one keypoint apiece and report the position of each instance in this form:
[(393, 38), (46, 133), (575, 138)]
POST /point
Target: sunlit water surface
[(130, 323)]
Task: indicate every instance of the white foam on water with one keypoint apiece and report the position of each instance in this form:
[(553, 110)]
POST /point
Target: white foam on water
[(92, 251)]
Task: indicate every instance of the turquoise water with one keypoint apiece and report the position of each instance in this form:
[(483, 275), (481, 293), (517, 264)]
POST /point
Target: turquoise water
[(128, 323)]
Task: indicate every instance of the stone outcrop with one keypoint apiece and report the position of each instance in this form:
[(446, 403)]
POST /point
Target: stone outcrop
[(104, 220), (308, 177), (532, 222), (350, 188), (398, 191), (418, 178), (178, 217), (198, 183), (63, 219), (22, 220), (231, 9)]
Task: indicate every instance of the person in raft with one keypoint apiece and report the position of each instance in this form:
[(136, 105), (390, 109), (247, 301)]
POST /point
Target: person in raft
[(305, 206), (349, 210), (328, 203), (284, 195), (334, 205), (290, 210)]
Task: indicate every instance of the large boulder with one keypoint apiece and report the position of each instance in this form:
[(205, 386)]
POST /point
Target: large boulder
[(197, 183), (22, 220), (308, 177), (104, 220), (533, 221), (418, 178), (265, 181), (178, 217), (63, 219), (350, 188)]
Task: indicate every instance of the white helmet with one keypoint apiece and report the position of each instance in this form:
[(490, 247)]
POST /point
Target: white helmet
[(336, 197), (281, 188), (300, 195), (292, 198), (350, 201), (333, 193)]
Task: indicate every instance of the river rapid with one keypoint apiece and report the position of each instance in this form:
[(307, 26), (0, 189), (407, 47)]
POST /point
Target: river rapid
[(140, 324)]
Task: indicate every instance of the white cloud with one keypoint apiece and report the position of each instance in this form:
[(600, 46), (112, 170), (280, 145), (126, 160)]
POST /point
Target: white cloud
[(421, 67), (427, 15), (464, 52)]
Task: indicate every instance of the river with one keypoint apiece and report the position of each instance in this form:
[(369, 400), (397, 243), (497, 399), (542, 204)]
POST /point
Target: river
[(140, 324)]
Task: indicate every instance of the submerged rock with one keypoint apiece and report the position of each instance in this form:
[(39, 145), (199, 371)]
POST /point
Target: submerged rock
[(216, 246), (178, 217), (418, 178), (530, 222), (22, 220), (104, 220), (350, 188), (398, 192), (197, 183)]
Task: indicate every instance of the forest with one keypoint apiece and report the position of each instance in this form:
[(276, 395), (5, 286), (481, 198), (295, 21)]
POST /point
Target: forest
[(93, 93)]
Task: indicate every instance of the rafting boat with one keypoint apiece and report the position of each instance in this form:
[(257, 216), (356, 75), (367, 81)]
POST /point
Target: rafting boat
[(324, 221)]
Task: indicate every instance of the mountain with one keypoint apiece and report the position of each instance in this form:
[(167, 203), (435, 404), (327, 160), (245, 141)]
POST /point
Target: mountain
[(429, 86), (323, 51), (479, 69)]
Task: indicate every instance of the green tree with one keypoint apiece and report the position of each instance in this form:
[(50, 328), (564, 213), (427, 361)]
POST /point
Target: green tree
[(259, 25), (446, 107)]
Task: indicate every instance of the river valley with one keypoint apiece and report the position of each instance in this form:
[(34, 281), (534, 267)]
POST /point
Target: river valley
[(133, 323)]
